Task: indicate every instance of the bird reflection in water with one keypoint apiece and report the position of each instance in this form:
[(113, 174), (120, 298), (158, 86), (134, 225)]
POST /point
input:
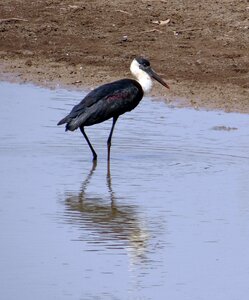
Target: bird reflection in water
[(108, 223)]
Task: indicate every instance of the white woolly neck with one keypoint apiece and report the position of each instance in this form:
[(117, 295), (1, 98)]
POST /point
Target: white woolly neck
[(141, 76)]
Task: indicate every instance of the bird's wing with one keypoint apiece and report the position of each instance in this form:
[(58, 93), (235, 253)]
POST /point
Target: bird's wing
[(104, 91), (90, 99), (105, 102), (124, 98)]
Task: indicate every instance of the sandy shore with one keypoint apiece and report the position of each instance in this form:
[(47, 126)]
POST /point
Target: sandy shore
[(200, 49)]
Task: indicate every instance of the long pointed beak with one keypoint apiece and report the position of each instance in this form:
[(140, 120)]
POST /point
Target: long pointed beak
[(154, 75)]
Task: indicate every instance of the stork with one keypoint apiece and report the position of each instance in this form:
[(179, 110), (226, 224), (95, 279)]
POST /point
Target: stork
[(112, 100)]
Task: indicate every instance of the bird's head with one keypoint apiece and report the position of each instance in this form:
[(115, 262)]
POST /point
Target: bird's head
[(141, 69)]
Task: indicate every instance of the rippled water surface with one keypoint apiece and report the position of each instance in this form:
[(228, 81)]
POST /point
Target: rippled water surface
[(170, 220)]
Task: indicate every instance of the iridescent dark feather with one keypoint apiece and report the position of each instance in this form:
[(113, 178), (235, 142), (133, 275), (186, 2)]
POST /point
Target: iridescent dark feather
[(105, 102)]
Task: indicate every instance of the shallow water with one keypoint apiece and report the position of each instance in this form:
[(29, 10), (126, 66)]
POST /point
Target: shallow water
[(170, 220)]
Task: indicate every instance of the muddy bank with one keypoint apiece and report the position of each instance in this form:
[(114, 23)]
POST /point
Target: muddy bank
[(202, 50)]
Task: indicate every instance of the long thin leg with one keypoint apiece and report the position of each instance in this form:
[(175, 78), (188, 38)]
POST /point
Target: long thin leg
[(88, 142), (109, 141)]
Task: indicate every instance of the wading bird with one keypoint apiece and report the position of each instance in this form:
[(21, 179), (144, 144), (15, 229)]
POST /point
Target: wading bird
[(112, 100)]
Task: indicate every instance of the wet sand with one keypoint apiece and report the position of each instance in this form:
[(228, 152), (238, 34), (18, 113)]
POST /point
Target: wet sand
[(202, 50)]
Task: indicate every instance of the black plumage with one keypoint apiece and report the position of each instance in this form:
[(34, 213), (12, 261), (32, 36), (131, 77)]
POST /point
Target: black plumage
[(112, 100), (107, 101)]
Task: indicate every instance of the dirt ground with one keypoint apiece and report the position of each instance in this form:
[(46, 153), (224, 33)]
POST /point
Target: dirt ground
[(201, 48)]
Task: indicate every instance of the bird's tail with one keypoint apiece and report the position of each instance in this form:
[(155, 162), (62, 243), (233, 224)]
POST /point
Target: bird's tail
[(63, 121), (71, 124), (66, 121)]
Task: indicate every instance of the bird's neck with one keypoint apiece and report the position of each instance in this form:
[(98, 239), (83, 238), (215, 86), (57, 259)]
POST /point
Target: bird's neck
[(145, 82)]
